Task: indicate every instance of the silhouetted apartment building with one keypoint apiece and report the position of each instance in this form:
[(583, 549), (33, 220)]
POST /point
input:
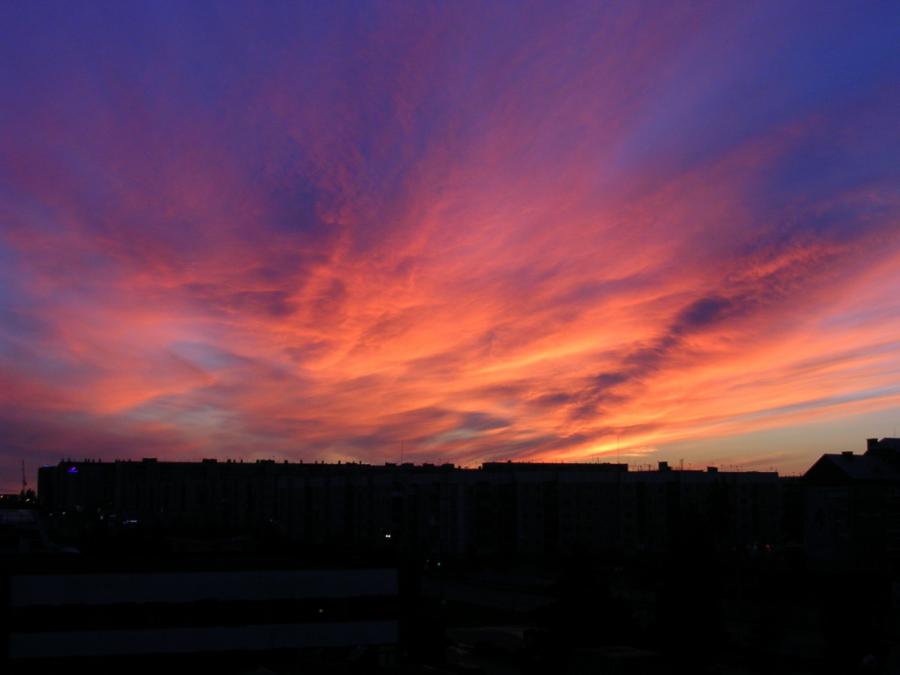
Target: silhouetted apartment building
[(673, 560), (853, 507), (134, 615), (498, 510)]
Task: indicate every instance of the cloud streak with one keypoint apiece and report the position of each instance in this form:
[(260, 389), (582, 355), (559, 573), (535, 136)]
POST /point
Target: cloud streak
[(482, 232)]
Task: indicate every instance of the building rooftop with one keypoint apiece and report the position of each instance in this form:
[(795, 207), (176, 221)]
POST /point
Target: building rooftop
[(880, 463)]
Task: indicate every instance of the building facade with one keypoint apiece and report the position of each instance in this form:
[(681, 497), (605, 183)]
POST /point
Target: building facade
[(498, 510)]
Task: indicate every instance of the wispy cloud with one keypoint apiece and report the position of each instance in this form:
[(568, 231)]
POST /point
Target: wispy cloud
[(481, 233)]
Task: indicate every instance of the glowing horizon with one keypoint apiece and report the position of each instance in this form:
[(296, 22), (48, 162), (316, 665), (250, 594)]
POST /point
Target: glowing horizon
[(486, 232)]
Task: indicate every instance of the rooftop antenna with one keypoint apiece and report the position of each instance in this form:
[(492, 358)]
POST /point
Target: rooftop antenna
[(24, 480)]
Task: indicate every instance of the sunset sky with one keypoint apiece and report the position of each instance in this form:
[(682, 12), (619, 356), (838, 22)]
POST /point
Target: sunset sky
[(479, 231)]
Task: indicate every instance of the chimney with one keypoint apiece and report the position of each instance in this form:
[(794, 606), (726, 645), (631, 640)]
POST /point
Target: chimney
[(663, 466), (871, 444)]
